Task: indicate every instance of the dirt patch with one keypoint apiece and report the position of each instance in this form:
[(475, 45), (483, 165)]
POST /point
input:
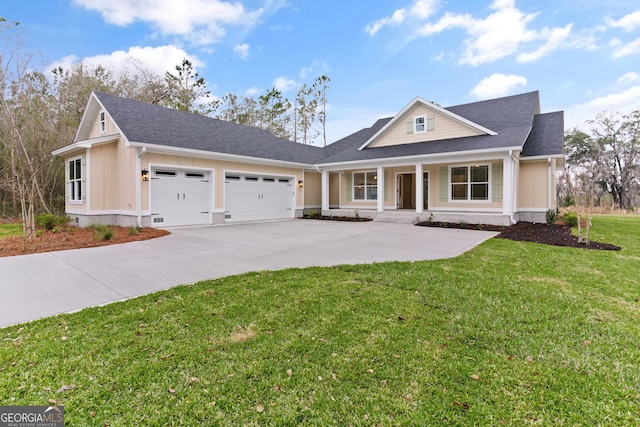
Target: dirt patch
[(73, 238), (554, 234)]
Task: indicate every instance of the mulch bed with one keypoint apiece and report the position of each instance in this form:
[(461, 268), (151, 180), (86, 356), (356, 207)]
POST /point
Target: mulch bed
[(554, 234), (338, 218), (72, 238)]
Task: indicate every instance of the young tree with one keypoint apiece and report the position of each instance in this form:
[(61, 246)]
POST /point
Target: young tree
[(320, 88), (273, 112), (305, 112), (188, 91)]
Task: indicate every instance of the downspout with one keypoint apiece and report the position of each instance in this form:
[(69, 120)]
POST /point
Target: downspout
[(513, 187), (141, 152), (549, 183)]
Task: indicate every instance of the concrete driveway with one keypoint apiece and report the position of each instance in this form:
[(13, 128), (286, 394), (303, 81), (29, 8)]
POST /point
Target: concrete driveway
[(39, 285)]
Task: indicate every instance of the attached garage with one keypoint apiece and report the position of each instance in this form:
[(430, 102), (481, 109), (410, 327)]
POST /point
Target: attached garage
[(180, 197), (251, 197)]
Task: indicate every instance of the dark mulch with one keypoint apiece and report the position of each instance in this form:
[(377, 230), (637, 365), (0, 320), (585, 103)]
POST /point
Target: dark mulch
[(554, 234), (338, 218)]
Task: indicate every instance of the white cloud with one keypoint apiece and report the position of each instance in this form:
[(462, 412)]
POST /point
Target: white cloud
[(628, 78), (201, 22), (252, 91), (625, 49), (242, 50), (156, 59), (284, 84), (505, 31), (421, 9), (319, 67), (497, 85), (627, 23), (624, 102)]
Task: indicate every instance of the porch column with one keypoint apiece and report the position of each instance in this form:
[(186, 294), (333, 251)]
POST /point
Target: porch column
[(380, 189), (508, 183), (419, 188), (325, 190)]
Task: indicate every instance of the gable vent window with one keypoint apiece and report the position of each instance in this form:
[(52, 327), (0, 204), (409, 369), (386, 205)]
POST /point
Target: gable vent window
[(103, 122), (422, 124)]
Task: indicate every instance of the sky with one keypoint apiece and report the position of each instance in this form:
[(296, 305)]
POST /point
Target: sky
[(583, 56)]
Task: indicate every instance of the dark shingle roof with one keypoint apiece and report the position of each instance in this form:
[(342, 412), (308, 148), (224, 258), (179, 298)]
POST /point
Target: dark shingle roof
[(153, 124), (546, 138), (515, 119)]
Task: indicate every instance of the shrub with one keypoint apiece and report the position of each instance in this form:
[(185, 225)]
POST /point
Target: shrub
[(550, 216), (50, 221), (133, 231), (313, 213), (570, 219), (568, 201), (103, 232)]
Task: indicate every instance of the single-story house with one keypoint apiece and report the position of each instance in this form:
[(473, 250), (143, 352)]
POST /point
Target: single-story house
[(490, 162)]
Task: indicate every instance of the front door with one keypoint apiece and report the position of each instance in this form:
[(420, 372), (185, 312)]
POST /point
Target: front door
[(425, 191), (406, 195)]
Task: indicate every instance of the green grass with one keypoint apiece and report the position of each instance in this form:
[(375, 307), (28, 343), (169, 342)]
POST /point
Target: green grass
[(509, 333), (10, 229)]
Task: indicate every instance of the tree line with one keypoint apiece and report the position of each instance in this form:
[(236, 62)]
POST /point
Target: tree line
[(40, 112)]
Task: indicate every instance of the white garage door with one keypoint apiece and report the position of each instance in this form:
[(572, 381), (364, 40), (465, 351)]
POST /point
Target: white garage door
[(180, 197), (255, 197)]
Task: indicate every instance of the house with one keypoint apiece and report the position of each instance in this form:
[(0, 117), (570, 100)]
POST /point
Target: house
[(488, 162)]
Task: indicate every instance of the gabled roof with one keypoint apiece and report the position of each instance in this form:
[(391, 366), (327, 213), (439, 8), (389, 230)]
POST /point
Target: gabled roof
[(419, 101), (143, 123), (511, 118), (543, 140)]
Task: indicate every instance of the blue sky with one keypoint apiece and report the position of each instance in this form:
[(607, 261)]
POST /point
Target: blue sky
[(583, 56)]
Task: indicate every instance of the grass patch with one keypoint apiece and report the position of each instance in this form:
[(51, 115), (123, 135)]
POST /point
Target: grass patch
[(11, 229), (509, 333)]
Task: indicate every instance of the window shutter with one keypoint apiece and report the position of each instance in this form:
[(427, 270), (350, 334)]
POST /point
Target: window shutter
[(83, 177), (444, 183), (409, 127), (431, 123), (496, 182), (384, 184), (349, 186)]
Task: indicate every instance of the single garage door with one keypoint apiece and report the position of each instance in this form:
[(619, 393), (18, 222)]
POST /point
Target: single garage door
[(256, 197), (180, 197)]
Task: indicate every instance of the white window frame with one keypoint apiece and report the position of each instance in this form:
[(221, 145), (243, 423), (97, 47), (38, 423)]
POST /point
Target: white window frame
[(365, 187), (424, 123), (470, 183), (103, 122), (75, 182)]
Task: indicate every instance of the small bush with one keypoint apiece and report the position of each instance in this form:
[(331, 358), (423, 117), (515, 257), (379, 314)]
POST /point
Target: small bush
[(133, 231), (570, 219), (313, 214), (103, 232), (50, 221), (551, 216), (568, 201)]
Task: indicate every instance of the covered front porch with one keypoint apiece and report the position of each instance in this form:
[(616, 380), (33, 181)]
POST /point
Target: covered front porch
[(474, 192)]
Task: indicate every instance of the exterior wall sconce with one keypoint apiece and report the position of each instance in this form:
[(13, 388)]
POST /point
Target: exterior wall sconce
[(300, 183), (144, 174)]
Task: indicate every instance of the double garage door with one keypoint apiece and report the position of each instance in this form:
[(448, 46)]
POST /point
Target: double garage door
[(185, 197)]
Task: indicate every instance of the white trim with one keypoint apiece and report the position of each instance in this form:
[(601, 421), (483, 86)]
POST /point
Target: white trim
[(469, 182), (426, 159), (86, 143), (210, 155), (537, 158), (70, 182), (324, 190), (416, 100), (379, 188), (531, 210), (105, 212)]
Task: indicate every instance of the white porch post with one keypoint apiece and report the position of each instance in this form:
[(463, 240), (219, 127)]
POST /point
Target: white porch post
[(325, 190), (380, 189), (419, 189), (508, 183)]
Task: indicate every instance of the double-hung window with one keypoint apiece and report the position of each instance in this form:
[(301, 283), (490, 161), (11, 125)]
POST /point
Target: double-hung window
[(365, 186), (423, 124), (470, 183), (103, 122), (75, 180)]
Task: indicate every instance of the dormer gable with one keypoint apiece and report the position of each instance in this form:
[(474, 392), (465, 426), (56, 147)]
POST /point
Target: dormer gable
[(96, 121), (423, 121)]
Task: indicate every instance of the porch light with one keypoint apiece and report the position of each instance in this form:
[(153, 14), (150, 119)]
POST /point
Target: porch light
[(144, 174), (300, 183)]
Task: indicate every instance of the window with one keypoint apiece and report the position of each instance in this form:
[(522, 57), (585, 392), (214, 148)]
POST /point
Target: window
[(470, 183), (198, 175), (165, 173), (365, 186), (424, 124), (75, 180), (103, 124)]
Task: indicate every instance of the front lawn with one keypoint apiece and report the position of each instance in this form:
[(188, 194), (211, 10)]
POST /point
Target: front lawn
[(510, 333), (10, 229)]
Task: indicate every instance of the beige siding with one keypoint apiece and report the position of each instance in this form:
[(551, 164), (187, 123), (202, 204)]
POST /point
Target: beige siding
[(104, 177), (445, 128), (533, 185), (110, 127), (312, 189)]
